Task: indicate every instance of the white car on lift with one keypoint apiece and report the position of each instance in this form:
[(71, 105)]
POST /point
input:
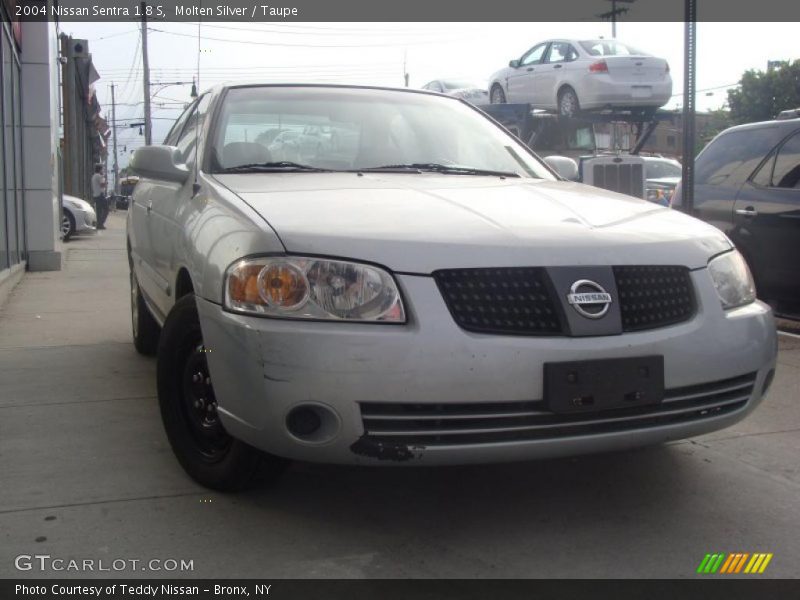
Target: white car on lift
[(574, 75), (460, 88)]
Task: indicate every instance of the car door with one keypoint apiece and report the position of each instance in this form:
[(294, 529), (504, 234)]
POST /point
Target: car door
[(140, 209), (767, 223), (552, 73), (722, 168), (166, 199), (521, 80)]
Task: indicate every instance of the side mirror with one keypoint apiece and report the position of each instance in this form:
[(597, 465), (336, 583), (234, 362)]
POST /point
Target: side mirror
[(564, 166), (160, 162), (514, 64)]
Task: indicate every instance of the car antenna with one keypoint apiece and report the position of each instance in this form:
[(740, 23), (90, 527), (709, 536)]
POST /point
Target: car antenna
[(199, 130)]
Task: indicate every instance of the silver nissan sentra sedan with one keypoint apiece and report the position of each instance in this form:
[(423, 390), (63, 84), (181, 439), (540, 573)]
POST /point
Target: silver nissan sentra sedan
[(415, 286)]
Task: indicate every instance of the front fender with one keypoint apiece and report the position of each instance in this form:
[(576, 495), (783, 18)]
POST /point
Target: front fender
[(218, 229)]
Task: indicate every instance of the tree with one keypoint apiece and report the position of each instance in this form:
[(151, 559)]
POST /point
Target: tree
[(761, 95), (709, 126)]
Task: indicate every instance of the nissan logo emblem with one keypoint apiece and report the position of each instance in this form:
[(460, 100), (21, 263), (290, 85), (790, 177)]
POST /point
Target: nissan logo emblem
[(589, 299)]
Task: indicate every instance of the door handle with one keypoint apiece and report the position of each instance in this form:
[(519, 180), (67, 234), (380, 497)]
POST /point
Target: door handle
[(530, 69), (557, 66), (747, 212)]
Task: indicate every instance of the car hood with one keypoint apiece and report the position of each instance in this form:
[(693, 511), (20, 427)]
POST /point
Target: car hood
[(470, 91), (670, 181), (83, 204), (420, 223)]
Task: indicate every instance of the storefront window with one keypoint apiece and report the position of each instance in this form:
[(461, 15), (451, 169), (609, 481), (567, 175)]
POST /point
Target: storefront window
[(12, 222)]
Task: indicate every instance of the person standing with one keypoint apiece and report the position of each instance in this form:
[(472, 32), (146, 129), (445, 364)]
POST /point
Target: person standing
[(99, 196)]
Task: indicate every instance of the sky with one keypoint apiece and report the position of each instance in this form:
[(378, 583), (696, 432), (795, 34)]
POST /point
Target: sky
[(375, 54)]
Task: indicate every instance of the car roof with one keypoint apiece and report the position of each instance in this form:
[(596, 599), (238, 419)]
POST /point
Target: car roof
[(219, 88), (783, 124)]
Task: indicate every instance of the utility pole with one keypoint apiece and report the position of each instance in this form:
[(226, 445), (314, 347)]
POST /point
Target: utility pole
[(114, 139), (148, 122), (689, 91), (405, 69), (612, 14), (72, 183)]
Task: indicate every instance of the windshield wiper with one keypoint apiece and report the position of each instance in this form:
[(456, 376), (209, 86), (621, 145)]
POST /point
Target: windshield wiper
[(437, 168), (282, 166)]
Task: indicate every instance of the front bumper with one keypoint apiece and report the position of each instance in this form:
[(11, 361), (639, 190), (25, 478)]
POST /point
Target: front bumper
[(85, 221), (263, 368)]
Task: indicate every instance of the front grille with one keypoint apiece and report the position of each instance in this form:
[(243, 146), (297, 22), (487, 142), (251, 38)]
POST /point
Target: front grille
[(503, 300), (654, 296), (493, 422), (522, 301)]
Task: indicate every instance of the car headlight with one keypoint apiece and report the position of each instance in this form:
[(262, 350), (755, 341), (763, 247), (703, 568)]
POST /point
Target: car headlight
[(313, 288), (732, 279)]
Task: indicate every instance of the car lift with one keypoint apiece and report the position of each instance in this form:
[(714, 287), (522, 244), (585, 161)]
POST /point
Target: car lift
[(527, 124)]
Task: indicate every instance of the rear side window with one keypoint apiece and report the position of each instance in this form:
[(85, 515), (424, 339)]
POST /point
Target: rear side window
[(732, 157), (561, 52), (786, 173)]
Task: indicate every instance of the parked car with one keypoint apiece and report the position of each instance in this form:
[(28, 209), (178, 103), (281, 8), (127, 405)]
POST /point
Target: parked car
[(747, 183), (466, 90), (77, 218), (120, 202), (573, 75), (444, 298), (294, 145), (662, 176)]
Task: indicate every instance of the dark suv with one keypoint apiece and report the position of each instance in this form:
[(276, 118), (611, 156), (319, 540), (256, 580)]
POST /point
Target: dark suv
[(747, 183)]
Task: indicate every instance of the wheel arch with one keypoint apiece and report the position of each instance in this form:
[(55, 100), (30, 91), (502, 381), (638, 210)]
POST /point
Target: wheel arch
[(183, 283)]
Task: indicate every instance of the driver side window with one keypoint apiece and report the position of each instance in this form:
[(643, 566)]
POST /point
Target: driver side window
[(534, 56)]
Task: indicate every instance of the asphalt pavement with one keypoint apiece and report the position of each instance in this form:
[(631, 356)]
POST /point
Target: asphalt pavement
[(86, 473)]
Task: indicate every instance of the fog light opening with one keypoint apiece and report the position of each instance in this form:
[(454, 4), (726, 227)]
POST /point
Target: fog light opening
[(313, 423), (303, 421)]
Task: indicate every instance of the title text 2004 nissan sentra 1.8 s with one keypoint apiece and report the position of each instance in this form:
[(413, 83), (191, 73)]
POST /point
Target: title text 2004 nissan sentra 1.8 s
[(400, 281)]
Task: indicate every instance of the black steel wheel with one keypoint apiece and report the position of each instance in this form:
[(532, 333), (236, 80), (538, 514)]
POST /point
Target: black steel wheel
[(206, 451)]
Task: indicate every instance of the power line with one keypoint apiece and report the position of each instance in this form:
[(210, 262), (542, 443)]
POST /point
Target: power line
[(113, 35), (299, 45)]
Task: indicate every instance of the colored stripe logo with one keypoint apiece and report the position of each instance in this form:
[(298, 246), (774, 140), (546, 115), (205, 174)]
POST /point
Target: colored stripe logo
[(735, 562)]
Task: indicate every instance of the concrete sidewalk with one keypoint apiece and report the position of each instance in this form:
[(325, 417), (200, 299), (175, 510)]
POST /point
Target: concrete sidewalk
[(86, 473)]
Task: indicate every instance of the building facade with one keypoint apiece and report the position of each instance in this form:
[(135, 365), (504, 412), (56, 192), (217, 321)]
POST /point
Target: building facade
[(30, 174), (13, 247)]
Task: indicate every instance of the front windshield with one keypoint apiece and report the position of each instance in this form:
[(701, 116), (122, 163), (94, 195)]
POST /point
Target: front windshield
[(659, 169), (344, 129)]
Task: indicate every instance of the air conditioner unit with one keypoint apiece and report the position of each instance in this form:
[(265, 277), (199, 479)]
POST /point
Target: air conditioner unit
[(623, 173), (78, 48)]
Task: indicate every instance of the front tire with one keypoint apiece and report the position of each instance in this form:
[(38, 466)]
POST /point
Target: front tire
[(498, 96), (207, 453), (67, 226), (145, 328)]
